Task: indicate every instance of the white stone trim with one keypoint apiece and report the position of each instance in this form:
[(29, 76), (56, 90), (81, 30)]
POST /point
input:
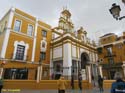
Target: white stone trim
[(21, 34), (16, 43), (34, 41), (100, 71), (89, 73), (38, 74), (43, 48), (1, 72), (7, 33)]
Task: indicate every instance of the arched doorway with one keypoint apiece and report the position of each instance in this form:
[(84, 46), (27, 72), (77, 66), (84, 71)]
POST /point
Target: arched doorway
[(84, 60)]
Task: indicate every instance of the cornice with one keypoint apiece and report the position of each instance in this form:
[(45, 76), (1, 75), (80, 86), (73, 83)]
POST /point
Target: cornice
[(70, 39)]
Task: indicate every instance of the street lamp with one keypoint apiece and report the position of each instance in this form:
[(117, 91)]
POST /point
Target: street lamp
[(123, 1), (115, 11)]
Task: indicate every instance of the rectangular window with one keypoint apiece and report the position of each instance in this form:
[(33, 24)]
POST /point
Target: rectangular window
[(109, 51), (16, 73), (17, 25), (44, 33), (20, 52), (99, 50), (42, 55), (30, 30)]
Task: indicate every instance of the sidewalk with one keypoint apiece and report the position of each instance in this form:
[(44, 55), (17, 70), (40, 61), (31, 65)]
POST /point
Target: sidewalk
[(94, 90)]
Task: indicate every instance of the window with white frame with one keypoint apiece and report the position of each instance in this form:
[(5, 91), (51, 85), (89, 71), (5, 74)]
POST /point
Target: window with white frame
[(20, 52), (30, 30), (17, 25)]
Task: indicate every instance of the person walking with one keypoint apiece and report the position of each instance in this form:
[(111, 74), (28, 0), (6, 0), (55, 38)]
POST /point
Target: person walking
[(80, 81), (72, 82), (119, 85), (93, 82), (100, 83), (61, 83), (1, 85)]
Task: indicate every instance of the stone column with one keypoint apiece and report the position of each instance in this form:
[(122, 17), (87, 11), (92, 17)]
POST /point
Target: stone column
[(89, 73), (100, 70), (38, 73), (67, 60), (41, 69), (1, 72)]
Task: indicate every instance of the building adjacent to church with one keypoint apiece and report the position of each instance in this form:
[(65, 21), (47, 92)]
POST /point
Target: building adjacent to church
[(111, 52), (24, 45)]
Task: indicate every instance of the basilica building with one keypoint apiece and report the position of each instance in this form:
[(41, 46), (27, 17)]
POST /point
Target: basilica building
[(71, 50)]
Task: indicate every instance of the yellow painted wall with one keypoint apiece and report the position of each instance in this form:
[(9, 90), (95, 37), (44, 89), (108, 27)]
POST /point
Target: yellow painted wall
[(47, 84), (22, 36), (44, 24), (25, 14), (17, 37), (32, 73), (108, 39), (39, 38), (118, 52), (24, 23), (43, 84)]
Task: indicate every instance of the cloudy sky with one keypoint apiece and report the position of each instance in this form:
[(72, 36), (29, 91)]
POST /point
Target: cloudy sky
[(93, 15)]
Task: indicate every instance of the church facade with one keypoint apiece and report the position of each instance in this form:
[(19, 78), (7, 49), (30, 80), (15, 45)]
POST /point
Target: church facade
[(72, 51)]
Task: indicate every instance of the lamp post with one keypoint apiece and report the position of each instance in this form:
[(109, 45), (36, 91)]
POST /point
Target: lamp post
[(115, 11), (123, 1)]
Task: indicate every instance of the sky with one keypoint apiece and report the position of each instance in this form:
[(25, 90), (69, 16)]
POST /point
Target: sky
[(92, 15)]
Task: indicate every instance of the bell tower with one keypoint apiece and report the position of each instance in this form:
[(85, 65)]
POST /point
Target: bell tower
[(65, 22)]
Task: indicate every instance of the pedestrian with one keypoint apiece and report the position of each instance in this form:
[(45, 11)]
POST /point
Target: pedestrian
[(61, 83), (72, 81), (119, 85), (80, 81), (93, 81), (52, 76), (100, 83), (1, 85)]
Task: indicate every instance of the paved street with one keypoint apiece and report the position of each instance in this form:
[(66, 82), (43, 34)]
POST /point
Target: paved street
[(95, 90)]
